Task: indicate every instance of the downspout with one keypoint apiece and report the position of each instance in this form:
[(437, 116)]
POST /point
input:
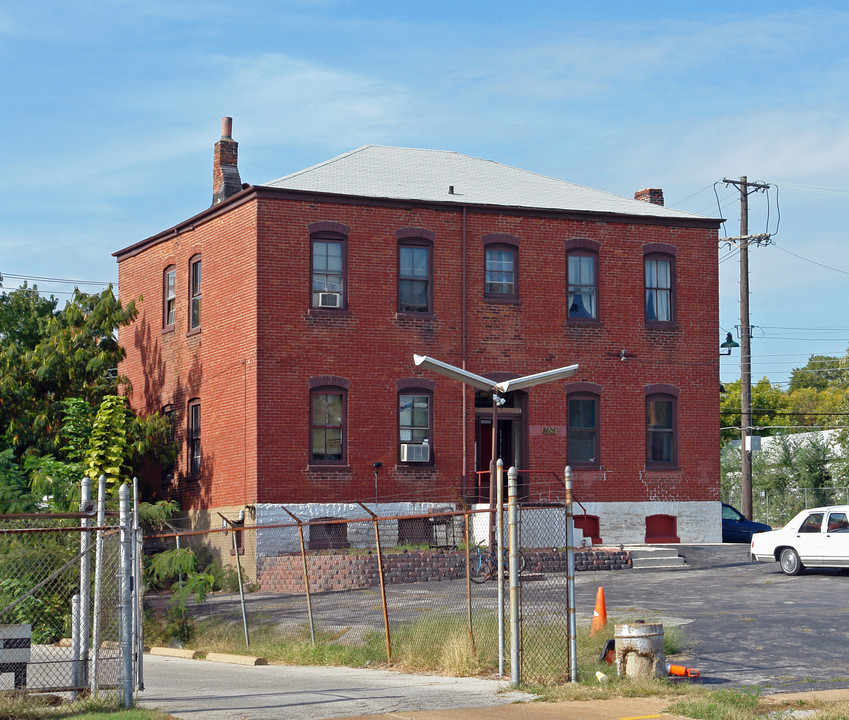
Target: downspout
[(463, 364)]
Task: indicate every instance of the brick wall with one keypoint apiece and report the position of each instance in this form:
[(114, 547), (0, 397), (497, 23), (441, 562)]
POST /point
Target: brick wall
[(260, 344), (337, 570)]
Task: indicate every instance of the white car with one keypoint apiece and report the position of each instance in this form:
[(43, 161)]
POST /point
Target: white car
[(817, 537)]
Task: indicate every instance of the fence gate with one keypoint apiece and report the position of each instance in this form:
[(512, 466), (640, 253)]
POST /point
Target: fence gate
[(60, 630)]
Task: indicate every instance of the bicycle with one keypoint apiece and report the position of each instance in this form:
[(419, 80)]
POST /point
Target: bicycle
[(483, 563)]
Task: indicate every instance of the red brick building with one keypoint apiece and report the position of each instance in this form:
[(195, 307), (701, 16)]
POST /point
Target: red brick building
[(278, 328)]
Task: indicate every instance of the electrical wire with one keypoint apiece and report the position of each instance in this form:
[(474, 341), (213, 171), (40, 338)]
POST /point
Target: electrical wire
[(53, 280), (813, 262), (719, 206)]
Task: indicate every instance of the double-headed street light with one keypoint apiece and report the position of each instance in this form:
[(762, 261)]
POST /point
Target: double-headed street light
[(497, 389)]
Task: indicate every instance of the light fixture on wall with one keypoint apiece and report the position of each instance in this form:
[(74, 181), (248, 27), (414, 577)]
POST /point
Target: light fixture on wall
[(728, 345)]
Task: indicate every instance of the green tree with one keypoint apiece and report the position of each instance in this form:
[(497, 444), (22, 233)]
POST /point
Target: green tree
[(75, 357), (15, 496), (813, 407), (61, 413), (820, 372), (109, 447), (23, 316), (769, 403)]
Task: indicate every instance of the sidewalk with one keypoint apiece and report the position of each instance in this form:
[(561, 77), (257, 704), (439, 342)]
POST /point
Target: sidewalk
[(612, 709)]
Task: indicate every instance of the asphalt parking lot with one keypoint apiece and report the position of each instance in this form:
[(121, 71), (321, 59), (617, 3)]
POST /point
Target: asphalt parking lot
[(744, 624)]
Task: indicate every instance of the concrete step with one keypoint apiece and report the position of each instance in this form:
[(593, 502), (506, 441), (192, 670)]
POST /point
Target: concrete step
[(644, 557)]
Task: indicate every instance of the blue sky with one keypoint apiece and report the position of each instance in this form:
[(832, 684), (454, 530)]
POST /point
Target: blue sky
[(111, 109)]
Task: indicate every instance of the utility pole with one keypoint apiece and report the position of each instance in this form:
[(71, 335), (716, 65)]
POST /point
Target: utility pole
[(745, 338)]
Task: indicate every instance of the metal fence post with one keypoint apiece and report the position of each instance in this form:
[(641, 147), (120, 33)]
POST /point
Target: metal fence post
[(234, 529), (126, 594), (499, 542), (570, 580), (513, 542), (85, 583), (382, 581), (306, 572), (241, 586), (75, 644), (468, 578), (138, 625), (98, 584)]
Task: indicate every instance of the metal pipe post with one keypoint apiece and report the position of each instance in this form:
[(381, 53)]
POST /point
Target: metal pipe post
[(85, 582), (570, 580), (75, 644), (126, 603), (468, 579), (382, 581), (98, 582), (138, 618), (241, 585), (306, 572), (513, 543), (499, 564)]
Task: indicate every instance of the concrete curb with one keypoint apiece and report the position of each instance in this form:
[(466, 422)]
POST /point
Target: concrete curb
[(176, 652), (249, 660), (236, 659)]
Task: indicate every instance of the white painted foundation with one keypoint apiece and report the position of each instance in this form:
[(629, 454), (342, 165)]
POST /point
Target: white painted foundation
[(621, 523)]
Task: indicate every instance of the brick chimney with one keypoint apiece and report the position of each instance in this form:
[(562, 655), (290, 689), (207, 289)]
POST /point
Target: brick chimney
[(650, 195), (225, 165)]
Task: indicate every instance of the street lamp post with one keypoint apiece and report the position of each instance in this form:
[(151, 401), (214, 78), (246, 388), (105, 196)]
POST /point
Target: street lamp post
[(495, 478), (497, 389)]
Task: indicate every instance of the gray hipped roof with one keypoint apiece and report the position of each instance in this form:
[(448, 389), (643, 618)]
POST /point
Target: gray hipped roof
[(379, 171)]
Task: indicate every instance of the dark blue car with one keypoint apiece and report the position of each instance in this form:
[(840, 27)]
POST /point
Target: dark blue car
[(736, 528)]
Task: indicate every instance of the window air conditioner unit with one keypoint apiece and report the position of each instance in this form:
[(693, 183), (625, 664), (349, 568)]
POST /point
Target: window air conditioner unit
[(415, 453), (330, 300)]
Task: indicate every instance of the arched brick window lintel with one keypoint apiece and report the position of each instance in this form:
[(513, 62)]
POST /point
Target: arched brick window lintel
[(328, 226), (660, 249), (329, 381), (661, 389), (415, 232), (415, 382), (500, 239), (580, 243), (583, 387)]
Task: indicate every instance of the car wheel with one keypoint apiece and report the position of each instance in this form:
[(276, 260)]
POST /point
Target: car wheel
[(790, 563)]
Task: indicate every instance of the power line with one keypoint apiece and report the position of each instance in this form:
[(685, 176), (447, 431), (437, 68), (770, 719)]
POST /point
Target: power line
[(54, 280), (821, 189), (769, 411), (813, 262)]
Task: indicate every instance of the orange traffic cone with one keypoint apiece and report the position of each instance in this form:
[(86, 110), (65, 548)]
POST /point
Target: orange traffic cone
[(599, 614)]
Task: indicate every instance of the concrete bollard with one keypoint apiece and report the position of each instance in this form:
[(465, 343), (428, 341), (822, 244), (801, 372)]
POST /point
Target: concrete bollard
[(639, 650)]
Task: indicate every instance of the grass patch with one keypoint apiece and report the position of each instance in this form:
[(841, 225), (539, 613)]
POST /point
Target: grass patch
[(342, 646), (440, 644), (22, 706), (432, 643), (720, 705)]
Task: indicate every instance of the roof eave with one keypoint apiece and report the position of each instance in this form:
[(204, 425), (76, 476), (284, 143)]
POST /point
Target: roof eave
[(255, 192), (600, 216)]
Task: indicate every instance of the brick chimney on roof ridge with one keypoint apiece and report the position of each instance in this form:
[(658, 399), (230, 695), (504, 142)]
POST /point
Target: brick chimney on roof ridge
[(225, 164), (650, 195)]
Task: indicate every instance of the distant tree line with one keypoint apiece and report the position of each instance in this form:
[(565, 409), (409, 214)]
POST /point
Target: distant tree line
[(797, 466)]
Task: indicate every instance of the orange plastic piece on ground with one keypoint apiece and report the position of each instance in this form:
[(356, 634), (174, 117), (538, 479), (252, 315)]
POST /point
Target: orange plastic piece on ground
[(682, 671)]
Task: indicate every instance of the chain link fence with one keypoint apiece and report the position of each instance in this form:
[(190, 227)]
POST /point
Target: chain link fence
[(59, 600), (409, 588), (776, 508)]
